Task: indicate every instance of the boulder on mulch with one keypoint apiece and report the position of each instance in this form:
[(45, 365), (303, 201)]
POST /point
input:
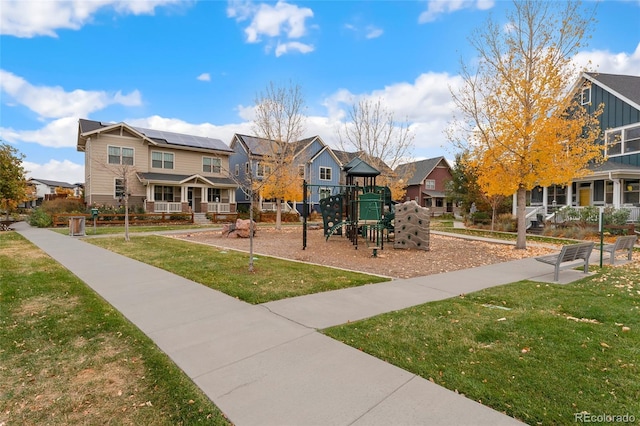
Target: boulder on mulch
[(240, 229)]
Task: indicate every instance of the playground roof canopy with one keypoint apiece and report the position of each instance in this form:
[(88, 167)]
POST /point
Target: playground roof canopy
[(358, 167)]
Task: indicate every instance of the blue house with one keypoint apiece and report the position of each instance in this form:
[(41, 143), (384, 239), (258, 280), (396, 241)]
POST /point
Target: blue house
[(316, 163), (616, 182)]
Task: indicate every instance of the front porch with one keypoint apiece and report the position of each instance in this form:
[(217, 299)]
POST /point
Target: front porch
[(194, 194)]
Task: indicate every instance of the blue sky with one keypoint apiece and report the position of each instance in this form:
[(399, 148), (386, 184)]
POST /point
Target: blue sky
[(196, 66)]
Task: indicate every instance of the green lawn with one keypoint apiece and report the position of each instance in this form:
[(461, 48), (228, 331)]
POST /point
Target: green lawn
[(67, 357), (538, 352), (228, 271), (119, 229)]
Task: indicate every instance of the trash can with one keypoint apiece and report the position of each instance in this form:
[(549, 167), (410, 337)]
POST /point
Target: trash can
[(76, 226)]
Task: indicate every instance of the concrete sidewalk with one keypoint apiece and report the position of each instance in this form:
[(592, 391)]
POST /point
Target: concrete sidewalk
[(266, 364)]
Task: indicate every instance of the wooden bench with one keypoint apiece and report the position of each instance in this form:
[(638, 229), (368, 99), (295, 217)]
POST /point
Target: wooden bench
[(569, 257), (621, 244)]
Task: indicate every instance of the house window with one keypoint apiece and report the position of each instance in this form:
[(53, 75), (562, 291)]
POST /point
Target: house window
[(324, 193), (439, 202), (430, 184), (536, 195), (120, 155), (211, 165), (236, 170), (161, 160), (608, 192), (262, 170), (246, 167), (301, 170), (213, 195), (631, 193), (585, 95), (558, 194), (625, 140), (325, 173), (163, 193), (119, 188)]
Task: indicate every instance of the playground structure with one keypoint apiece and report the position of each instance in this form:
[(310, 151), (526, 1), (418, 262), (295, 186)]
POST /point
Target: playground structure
[(360, 209)]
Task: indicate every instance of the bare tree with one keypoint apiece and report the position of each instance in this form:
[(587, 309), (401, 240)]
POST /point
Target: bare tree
[(279, 119), (124, 174), (385, 142)]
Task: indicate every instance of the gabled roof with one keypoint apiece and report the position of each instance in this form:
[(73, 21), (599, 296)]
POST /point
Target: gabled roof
[(53, 183), (261, 146), (88, 128), (421, 169), (625, 87), (359, 167)]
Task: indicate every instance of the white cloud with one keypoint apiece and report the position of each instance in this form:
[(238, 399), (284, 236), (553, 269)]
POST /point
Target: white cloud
[(292, 46), (608, 62), (22, 18), (55, 102), (426, 104), (373, 32), (63, 171), (273, 21), (60, 133), (435, 8), (205, 76)]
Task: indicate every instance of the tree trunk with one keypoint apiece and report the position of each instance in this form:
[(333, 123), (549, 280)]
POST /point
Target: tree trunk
[(521, 241), (278, 214), (251, 234), (126, 218)]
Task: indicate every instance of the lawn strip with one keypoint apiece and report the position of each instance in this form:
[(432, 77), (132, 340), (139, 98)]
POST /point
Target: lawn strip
[(67, 356), (228, 270), (538, 352)]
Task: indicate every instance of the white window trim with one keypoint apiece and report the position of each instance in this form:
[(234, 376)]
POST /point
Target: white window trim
[(163, 160), (212, 166), (115, 188), (133, 155), (587, 90), (622, 141), (427, 186), (330, 173)]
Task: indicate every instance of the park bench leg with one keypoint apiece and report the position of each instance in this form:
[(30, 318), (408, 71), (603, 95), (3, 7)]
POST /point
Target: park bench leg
[(556, 273)]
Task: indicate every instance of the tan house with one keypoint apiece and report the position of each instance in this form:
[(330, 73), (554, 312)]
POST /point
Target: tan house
[(166, 171)]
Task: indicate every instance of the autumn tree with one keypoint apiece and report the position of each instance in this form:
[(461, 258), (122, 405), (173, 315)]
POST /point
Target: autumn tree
[(13, 183), (384, 142), (516, 117), (463, 188), (279, 120)]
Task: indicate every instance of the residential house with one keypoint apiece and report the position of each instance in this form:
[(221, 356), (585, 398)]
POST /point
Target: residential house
[(170, 172), (316, 163), (426, 184), (616, 182), (46, 189)]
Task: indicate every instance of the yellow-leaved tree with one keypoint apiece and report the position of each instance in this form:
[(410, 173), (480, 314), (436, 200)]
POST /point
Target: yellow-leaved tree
[(517, 118)]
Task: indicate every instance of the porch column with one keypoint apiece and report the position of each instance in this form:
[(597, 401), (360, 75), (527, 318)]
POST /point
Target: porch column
[(569, 194), (232, 196), (617, 193), (150, 192), (204, 195), (514, 205), (183, 194), (545, 198)]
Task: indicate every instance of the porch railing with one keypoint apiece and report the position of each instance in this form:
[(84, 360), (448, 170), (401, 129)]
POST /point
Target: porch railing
[(269, 206), (219, 207), (167, 207), (634, 213), (532, 215)]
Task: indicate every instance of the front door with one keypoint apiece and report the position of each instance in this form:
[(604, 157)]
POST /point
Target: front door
[(585, 196)]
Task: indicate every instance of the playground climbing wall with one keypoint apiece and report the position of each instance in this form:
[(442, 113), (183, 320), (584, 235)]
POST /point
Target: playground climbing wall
[(411, 226)]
